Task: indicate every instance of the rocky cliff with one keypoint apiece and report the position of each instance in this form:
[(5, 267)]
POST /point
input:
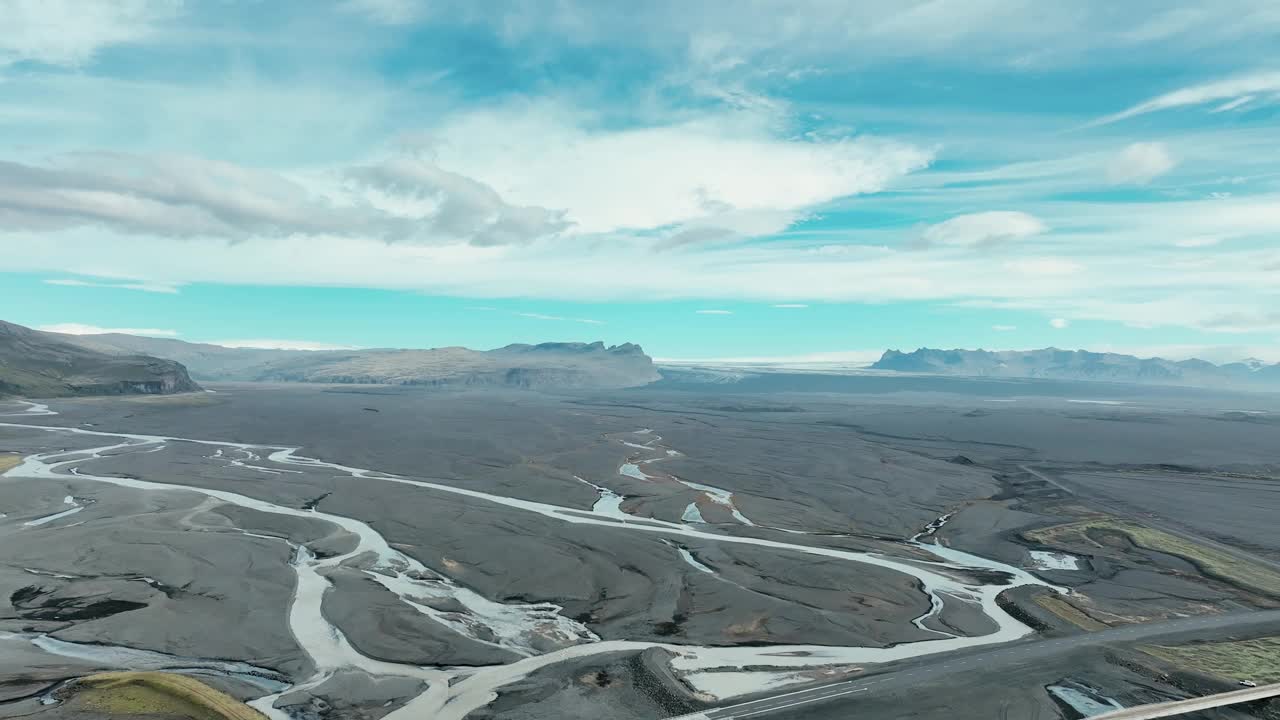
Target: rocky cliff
[(36, 364)]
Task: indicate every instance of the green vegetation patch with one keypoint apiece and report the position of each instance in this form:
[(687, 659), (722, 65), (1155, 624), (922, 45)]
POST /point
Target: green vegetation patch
[(1257, 660), (1210, 561)]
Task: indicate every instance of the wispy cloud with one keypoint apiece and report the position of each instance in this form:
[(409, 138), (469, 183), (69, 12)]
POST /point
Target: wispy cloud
[(1200, 242), (1059, 323), (714, 312), (983, 229), (1004, 328), (144, 286), (1238, 89), (1043, 266), (82, 329), (69, 32), (1233, 104), (791, 305), (541, 316)]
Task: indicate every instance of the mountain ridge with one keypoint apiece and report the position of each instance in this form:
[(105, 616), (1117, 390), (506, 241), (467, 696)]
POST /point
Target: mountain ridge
[(547, 365), (38, 364), (1084, 365)]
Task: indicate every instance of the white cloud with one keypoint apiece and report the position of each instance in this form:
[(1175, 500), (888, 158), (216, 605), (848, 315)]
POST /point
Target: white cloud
[(1004, 328), (1134, 276), (1059, 323), (1233, 88), (983, 229), (1140, 163), (760, 35), (70, 32), (790, 305), (1224, 310), (81, 329), (397, 199), (448, 205), (735, 170), (1043, 266), (1233, 104), (169, 196), (514, 176), (540, 316), (1243, 320), (270, 344), (1199, 242), (714, 312), (145, 286)]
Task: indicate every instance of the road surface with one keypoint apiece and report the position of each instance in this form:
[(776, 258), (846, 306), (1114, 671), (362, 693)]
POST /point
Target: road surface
[(930, 668), (1182, 707)]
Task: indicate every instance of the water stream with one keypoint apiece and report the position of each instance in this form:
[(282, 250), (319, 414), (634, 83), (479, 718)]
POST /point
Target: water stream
[(114, 657), (451, 692)]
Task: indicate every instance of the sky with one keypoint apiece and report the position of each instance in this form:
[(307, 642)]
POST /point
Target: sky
[(800, 180)]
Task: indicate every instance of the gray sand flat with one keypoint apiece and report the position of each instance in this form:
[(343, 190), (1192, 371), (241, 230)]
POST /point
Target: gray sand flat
[(876, 468), (382, 626)]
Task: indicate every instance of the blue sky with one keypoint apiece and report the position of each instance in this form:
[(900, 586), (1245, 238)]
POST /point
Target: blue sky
[(712, 180)]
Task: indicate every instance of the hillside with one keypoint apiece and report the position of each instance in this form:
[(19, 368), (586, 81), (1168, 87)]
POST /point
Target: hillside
[(542, 366), (1052, 363), (36, 364)]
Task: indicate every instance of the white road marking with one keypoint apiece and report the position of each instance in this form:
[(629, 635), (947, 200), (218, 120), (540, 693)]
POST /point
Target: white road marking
[(782, 695), (794, 704)]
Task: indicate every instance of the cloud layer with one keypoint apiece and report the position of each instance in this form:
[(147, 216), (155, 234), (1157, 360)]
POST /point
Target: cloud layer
[(1236, 90), (70, 32), (1140, 163), (82, 329), (984, 229), (933, 155), (724, 176)]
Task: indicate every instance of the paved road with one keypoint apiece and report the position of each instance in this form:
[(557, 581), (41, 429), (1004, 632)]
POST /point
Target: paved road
[(934, 667), (1182, 707)]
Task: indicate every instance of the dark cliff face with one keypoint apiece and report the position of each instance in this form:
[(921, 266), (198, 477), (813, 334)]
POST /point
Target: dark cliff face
[(35, 364)]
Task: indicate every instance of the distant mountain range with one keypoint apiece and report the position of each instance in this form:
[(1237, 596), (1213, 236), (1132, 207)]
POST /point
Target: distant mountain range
[(40, 364), (36, 364), (1052, 363), (542, 366)]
